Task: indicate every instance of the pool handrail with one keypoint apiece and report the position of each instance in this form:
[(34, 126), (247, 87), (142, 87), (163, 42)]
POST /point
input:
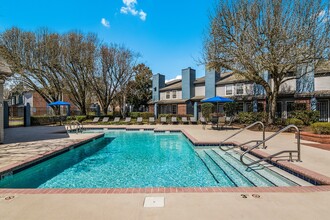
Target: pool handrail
[(79, 127), (243, 129), (278, 153)]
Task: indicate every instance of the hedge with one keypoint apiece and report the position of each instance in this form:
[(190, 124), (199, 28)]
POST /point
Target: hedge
[(45, 120), (321, 127), (294, 121), (144, 115), (308, 117), (250, 117)]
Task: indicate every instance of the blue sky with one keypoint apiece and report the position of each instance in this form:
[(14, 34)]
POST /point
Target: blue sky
[(167, 33)]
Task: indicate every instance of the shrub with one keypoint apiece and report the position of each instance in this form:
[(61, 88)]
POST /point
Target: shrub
[(294, 121), (250, 117), (45, 120), (321, 127), (144, 115), (81, 118), (207, 109), (230, 108), (308, 117)]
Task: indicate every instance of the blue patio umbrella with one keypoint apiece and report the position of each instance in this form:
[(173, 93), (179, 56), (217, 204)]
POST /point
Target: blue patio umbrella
[(59, 103), (218, 99)]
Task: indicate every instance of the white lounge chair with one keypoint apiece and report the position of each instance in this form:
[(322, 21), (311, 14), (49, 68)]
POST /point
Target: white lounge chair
[(184, 120), (116, 120), (193, 120), (127, 120), (163, 120), (174, 120), (151, 120), (96, 119), (105, 119), (139, 120)]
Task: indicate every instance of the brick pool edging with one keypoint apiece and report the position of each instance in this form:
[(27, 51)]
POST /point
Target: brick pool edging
[(292, 189)]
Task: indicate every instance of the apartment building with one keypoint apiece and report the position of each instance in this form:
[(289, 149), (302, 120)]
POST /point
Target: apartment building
[(183, 96)]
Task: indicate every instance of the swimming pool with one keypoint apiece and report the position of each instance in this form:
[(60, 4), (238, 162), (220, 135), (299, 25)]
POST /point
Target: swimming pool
[(138, 159)]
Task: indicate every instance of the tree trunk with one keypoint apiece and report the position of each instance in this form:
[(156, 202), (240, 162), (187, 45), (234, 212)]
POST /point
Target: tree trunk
[(272, 100), (105, 110)]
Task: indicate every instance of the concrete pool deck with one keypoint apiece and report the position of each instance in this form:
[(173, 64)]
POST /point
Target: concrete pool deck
[(22, 143)]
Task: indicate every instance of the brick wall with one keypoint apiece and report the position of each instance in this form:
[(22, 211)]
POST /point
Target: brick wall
[(152, 108), (305, 101), (182, 109)]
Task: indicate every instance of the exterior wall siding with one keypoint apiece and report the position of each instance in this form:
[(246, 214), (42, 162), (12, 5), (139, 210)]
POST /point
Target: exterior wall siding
[(178, 95), (288, 86), (199, 90), (322, 83)]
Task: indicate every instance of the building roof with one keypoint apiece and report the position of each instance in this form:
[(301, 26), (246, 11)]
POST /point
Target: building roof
[(200, 80), (231, 77), (197, 98), (172, 101), (173, 86)]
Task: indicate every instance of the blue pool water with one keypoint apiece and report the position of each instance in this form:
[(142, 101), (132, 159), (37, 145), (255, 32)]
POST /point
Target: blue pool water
[(142, 159)]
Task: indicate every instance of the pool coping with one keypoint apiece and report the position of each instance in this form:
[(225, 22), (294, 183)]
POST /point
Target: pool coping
[(322, 180)]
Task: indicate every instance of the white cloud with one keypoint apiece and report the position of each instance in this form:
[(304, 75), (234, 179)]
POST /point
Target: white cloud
[(105, 23), (143, 15), (129, 8), (177, 77)]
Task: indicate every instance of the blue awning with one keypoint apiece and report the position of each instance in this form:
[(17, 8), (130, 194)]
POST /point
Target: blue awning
[(58, 103), (218, 99)]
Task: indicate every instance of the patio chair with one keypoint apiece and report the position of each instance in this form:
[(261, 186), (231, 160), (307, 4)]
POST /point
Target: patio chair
[(139, 120), (174, 120), (193, 120), (116, 120), (184, 120), (222, 122), (215, 122), (202, 120), (163, 120), (105, 119), (127, 120), (96, 119), (151, 120)]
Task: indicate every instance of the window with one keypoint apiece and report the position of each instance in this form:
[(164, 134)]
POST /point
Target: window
[(289, 108), (229, 89), (240, 107), (239, 89), (174, 94), (174, 109), (168, 95)]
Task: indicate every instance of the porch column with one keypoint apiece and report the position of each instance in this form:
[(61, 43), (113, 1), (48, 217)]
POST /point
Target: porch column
[(196, 110), (156, 110), (255, 105), (313, 104)]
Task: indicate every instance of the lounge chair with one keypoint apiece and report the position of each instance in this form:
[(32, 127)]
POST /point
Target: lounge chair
[(193, 120), (96, 119), (215, 122), (151, 120), (127, 120), (174, 120), (202, 120), (116, 120), (105, 119), (184, 120), (139, 120), (222, 122), (163, 120)]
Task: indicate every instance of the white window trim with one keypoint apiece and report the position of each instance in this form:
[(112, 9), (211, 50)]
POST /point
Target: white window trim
[(232, 86), (236, 86), (176, 94)]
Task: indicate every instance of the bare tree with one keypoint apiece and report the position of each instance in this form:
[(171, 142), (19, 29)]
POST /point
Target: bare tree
[(113, 71), (34, 56), (76, 65), (250, 37)]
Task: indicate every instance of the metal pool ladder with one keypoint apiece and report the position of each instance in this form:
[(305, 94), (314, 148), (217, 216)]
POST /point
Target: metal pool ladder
[(76, 126), (278, 153), (241, 130)]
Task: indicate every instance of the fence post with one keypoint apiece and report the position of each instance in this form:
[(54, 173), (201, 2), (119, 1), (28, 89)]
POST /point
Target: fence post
[(27, 115)]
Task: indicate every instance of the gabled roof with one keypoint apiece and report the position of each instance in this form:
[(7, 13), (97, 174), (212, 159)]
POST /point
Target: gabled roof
[(231, 77), (200, 80), (173, 86)]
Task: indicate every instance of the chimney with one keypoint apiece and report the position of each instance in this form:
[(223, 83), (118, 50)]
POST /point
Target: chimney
[(211, 77), (188, 78), (158, 82)]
